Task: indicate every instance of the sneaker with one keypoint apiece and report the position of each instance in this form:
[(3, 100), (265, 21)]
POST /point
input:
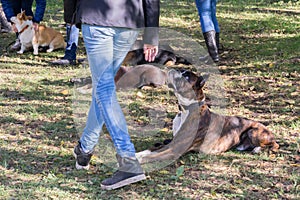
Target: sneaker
[(120, 179), (63, 61), (69, 57), (16, 46), (82, 159)]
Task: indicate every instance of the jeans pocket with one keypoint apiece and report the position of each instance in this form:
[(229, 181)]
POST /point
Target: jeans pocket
[(100, 32), (132, 36)]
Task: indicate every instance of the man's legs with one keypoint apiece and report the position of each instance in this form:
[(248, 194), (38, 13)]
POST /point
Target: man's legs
[(104, 60), (106, 49)]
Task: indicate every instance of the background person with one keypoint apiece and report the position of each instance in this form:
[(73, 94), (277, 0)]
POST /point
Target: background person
[(72, 35), (210, 27), (13, 7)]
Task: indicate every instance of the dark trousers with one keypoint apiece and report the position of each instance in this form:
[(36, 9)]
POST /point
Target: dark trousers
[(69, 7), (21, 5)]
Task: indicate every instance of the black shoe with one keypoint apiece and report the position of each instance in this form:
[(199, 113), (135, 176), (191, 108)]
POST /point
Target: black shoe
[(69, 57), (120, 179), (130, 171), (82, 159), (211, 44)]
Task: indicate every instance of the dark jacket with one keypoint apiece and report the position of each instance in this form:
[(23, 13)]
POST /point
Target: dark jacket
[(13, 7), (121, 13)]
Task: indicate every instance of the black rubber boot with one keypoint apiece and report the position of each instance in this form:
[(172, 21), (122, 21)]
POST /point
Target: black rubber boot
[(218, 41), (211, 44), (129, 171)]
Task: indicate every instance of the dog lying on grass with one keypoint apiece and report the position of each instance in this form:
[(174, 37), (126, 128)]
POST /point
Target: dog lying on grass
[(44, 36), (163, 57), (139, 76), (198, 129), (130, 78)]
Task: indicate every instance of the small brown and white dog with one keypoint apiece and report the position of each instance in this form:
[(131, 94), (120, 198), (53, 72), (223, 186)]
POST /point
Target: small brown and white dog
[(198, 129), (43, 36)]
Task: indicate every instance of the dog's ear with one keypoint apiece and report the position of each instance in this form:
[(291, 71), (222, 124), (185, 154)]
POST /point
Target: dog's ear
[(29, 17), (201, 81), (22, 15)]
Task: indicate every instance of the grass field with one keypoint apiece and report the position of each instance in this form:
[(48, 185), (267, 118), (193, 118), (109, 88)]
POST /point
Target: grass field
[(260, 69)]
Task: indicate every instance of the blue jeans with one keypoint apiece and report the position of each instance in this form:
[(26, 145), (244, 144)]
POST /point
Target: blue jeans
[(207, 12), (106, 49)]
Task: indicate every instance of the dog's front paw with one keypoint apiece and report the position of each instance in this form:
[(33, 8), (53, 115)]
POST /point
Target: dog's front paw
[(256, 150), (20, 52), (142, 154), (35, 53)]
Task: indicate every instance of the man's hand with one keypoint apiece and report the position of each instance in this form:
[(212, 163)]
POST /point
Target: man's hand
[(150, 52), (14, 28)]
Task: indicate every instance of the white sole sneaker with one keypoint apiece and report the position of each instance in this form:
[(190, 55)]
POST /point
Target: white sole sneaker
[(80, 166)]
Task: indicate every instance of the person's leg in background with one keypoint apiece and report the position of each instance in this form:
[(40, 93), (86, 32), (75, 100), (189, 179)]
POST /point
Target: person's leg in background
[(17, 7), (216, 23), (206, 14), (4, 24), (106, 49), (27, 6), (72, 32), (69, 57)]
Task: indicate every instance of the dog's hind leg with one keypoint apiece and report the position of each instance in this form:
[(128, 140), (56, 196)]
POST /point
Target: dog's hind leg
[(51, 47), (261, 137), (56, 44), (35, 49), (245, 144), (23, 48)]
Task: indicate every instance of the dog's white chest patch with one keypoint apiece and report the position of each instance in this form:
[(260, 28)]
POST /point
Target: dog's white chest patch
[(178, 121)]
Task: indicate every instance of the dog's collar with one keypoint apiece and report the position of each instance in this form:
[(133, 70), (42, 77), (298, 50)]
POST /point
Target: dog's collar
[(23, 29), (192, 105)]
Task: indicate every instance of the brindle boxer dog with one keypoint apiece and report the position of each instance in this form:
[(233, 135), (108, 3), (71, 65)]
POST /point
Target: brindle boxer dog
[(203, 131)]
